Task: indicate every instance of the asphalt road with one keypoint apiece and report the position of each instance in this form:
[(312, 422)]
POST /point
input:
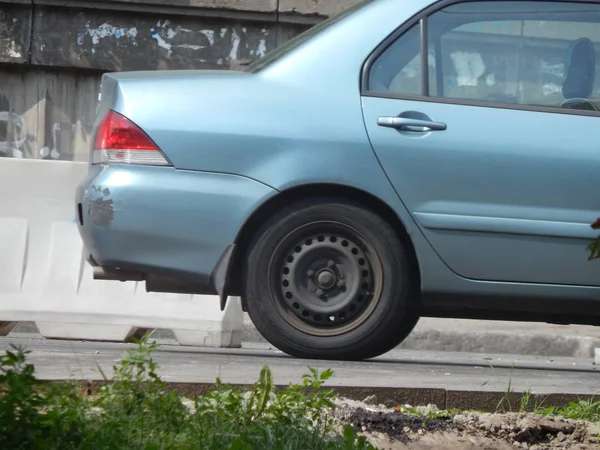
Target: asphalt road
[(55, 360)]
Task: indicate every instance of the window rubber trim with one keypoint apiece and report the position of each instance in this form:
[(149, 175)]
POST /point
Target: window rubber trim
[(424, 57)]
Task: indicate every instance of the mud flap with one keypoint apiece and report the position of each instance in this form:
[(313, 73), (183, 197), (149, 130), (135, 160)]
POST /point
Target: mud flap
[(220, 274)]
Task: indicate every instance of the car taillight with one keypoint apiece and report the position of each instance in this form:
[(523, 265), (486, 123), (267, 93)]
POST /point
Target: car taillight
[(119, 140)]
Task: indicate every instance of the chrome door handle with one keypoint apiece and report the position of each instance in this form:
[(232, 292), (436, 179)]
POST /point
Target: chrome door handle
[(403, 123)]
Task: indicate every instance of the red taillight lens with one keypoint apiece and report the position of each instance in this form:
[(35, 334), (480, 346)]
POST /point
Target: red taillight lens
[(119, 140)]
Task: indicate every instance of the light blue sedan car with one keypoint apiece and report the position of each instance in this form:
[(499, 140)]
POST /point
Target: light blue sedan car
[(405, 158)]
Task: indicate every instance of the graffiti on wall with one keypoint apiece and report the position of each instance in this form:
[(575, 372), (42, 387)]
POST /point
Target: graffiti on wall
[(184, 43), (41, 119)]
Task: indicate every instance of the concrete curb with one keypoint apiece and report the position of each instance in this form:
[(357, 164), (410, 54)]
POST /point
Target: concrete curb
[(534, 343), (452, 335), (484, 401)]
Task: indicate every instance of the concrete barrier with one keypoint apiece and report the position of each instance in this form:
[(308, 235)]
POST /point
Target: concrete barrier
[(44, 277)]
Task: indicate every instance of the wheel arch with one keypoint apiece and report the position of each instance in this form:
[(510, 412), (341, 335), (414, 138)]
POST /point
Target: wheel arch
[(261, 214)]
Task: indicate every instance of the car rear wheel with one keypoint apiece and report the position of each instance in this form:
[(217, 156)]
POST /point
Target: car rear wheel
[(330, 280)]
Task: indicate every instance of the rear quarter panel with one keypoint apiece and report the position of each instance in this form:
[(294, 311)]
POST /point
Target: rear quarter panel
[(279, 134)]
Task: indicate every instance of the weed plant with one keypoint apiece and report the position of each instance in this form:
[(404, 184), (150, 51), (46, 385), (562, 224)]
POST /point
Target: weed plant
[(135, 410)]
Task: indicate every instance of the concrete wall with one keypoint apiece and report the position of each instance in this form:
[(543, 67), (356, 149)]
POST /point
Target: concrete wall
[(52, 53)]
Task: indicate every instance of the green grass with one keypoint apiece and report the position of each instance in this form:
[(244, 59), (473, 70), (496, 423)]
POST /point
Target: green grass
[(135, 410), (588, 410)]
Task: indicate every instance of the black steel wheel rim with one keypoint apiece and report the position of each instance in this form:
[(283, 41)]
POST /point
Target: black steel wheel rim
[(325, 278)]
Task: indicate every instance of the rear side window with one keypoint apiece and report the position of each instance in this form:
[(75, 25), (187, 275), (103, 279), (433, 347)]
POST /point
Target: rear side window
[(544, 54), (398, 69)]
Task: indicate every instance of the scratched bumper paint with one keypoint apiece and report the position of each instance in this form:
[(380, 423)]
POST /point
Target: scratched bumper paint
[(163, 219), (100, 206)]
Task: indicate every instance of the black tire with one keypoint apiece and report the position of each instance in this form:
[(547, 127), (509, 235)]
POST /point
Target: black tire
[(327, 279)]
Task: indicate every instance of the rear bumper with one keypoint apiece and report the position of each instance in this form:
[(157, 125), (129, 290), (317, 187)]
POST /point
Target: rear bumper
[(164, 222)]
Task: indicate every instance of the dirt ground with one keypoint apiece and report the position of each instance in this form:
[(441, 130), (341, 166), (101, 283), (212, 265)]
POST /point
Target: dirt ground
[(389, 429)]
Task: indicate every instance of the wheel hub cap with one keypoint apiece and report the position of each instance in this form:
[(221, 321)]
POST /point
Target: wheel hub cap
[(326, 279)]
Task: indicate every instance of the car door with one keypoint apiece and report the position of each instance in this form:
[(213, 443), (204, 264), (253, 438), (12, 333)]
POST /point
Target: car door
[(485, 118)]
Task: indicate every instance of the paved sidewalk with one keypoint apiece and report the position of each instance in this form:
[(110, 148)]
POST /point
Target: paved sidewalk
[(59, 359)]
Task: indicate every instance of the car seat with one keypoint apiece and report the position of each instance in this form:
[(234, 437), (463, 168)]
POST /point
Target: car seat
[(580, 74)]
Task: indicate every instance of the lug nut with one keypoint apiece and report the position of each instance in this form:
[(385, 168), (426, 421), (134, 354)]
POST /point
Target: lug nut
[(331, 264), (319, 293), (310, 273), (341, 283)]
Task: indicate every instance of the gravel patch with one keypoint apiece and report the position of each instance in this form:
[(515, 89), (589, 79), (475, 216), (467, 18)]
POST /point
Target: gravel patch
[(394, 428)]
